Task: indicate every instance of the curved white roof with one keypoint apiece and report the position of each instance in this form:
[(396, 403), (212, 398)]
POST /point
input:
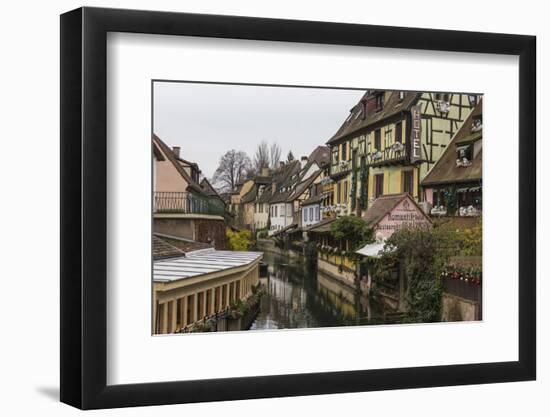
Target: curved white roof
[(201, 262)]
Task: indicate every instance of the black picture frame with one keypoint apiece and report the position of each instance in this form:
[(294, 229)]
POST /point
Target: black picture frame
[(84, 207)]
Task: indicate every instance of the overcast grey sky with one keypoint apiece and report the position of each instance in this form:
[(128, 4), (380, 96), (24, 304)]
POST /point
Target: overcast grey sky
[(207, 120)]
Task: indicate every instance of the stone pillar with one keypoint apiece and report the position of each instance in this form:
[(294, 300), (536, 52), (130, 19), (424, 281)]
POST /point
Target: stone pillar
[(194, 312), (213, 301), (155, 318), (184, 311), (164, 319), (203, 312), (173, 325)]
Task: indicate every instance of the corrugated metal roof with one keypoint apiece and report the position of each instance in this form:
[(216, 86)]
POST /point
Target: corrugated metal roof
[(200, 263)]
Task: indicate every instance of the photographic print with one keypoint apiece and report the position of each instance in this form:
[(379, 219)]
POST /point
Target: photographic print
[(285, 207)]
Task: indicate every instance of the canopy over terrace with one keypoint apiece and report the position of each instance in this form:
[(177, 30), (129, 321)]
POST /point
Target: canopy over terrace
[(201, 262), (372, 250)]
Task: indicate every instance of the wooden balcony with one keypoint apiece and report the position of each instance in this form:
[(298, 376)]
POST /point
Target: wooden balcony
[(394, 154)]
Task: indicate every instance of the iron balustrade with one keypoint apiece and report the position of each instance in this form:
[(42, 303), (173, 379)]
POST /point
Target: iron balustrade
[(186, 203)]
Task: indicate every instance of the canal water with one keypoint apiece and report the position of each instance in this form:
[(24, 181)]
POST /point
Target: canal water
[(298, 296)]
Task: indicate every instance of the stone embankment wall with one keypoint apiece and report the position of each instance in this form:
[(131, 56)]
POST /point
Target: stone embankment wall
[(455, 308)]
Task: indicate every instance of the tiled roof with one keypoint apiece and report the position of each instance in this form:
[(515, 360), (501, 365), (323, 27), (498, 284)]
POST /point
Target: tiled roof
[(320, 155), (280, 197), (312, 200), (163, 250), (392, 106), (285, 229), (445, 170), (266, 196), (283, 178), (208, 189), (322, 227), (182, 245), (382, 206), (250, 196), (303, 186), (168, 153), (158, 154), (385, 204)]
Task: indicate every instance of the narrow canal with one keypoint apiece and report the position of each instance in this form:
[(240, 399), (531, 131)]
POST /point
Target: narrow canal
[(298, 296)]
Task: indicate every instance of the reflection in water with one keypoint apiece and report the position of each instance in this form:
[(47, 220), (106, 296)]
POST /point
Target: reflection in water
[(300, 297)]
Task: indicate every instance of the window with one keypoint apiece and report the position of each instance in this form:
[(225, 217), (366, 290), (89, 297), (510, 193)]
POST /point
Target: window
[(317, 211), (401, 95), (464, 151), (362, 146), (442, 96), (345, 196), (335, 155), (377, 139), (407, 182), (378, 185), (472, 99), (311, 213), (305, 214), (338, 191), (399, 132), (344, 149), (477, 123), (379, 101)]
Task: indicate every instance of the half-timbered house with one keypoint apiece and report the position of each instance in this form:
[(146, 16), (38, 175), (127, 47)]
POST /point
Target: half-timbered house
[(389, 142)]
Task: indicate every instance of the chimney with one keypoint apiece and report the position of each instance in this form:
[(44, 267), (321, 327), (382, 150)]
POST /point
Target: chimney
[(264, 172), (176, 150), (303, 162), (364, 109)]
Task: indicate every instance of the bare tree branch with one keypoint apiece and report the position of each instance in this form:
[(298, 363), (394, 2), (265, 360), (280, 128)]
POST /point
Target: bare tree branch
[(231, 170), (261, 157), (274, 155)]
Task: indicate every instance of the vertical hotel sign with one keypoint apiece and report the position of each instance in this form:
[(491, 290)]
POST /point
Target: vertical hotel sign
[(416, 124)]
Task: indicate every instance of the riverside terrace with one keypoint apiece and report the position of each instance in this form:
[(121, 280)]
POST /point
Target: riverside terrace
[(194, 285)]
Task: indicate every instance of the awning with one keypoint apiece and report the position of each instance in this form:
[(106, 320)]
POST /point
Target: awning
[(372, 250)]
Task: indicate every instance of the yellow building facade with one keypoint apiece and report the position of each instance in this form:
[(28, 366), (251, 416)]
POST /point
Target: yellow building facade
[(390, 141)]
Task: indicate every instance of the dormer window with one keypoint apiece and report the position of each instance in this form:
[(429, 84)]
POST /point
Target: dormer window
[(379, 102), (464, 155), (477, 123), (442, 102)]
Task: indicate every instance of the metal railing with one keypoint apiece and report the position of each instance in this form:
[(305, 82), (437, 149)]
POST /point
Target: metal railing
[(186, 203)]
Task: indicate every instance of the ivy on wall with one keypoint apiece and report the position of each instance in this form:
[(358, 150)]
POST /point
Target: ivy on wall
[(363, 192)]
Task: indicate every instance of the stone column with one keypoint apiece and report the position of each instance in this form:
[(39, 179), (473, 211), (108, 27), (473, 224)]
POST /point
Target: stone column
[(194, 311), (164, 319), (184, 306), (213, 301), (173, 325)]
